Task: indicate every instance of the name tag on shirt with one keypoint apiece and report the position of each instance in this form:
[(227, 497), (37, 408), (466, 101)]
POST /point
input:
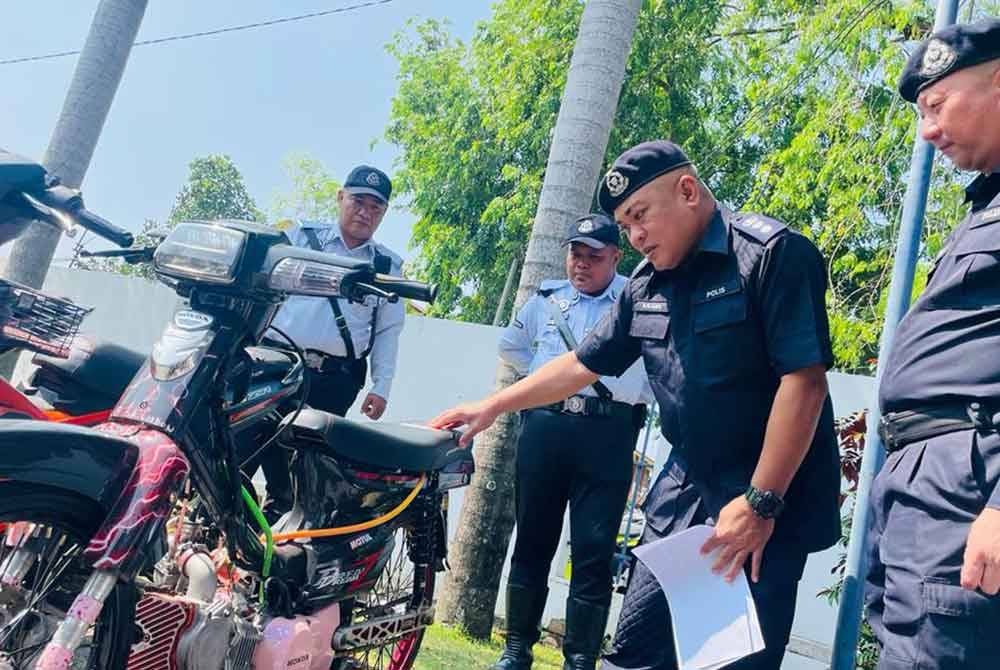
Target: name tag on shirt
[(655, 306)]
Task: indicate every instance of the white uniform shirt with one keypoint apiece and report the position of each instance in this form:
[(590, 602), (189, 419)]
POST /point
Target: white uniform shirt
[(310, 322)]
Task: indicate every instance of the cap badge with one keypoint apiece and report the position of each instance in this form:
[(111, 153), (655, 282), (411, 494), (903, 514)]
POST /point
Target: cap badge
[(617, 183), (938, 57), (586, 227), (373, 179)]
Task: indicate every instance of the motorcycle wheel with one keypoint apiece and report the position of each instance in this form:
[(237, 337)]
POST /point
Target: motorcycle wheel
[(396, 591), (53, 526)]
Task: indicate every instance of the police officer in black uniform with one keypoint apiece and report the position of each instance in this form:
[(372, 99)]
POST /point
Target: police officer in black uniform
[(935, 539), (728, 314)]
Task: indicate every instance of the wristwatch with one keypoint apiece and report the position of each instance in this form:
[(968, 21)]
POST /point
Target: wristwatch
[(765, 504)]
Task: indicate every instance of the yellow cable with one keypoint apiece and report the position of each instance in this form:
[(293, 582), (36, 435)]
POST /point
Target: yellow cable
[(346, 530)]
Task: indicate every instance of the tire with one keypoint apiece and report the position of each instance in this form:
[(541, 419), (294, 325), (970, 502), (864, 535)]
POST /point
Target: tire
[(395, 584), (63, 522)]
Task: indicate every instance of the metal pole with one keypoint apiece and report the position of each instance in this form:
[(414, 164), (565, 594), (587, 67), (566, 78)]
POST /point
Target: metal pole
[(507, 287), (636, 476), (914, 206)]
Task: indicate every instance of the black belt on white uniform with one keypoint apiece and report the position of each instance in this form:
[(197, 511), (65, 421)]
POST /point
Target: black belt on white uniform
[(320, 361), (898, 429), (580, 405)]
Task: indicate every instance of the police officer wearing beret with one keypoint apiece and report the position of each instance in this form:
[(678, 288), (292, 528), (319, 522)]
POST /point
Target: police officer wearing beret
[(935, 539), (341, 338), (728, 314), (577, 451)]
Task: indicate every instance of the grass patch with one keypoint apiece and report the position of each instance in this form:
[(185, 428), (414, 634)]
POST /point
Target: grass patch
[(444, 648)]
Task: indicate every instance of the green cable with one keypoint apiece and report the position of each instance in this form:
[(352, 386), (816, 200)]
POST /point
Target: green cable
[(265, 528)]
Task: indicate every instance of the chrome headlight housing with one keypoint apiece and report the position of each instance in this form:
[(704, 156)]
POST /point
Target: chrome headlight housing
[(203, 252), (302, 277)]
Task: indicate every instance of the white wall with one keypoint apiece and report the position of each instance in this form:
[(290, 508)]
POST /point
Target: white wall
[(441, 363)]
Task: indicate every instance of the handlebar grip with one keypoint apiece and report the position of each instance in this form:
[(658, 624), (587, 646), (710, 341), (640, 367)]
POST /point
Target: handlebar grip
[(407, 288), (104, 228)]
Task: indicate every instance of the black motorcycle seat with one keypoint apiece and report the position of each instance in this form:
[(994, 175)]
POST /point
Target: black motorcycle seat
[(96, 365), (406, 446)]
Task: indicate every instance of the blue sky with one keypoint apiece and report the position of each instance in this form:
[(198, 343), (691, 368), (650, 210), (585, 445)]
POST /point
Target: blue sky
[(321, 86)]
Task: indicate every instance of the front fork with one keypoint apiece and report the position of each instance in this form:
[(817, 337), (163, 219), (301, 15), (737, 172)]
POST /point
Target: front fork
[(115, 550), (83, 613)]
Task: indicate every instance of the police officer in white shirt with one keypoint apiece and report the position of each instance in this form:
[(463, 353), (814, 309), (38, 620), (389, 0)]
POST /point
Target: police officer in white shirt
[(341, 339)]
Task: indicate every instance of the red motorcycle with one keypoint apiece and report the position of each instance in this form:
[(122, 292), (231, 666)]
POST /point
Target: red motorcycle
[(344, 580)]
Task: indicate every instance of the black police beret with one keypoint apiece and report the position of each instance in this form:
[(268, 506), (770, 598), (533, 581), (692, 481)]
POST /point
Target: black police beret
[(947, 51), (365, 179), (595, 230), (637, 167)]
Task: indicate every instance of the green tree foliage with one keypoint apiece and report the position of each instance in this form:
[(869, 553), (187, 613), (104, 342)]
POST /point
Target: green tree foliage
[(214, 190), (313, 196), (788, 107)]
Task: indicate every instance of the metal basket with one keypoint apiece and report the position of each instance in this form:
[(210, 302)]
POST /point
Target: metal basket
[(36, 321)]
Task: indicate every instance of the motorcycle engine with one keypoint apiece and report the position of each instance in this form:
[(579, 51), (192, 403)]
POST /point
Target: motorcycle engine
[(177, 633)]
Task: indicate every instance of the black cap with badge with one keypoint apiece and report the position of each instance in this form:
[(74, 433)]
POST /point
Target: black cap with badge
[(637, 167), (366, 180), (947, 51), (595, 230)]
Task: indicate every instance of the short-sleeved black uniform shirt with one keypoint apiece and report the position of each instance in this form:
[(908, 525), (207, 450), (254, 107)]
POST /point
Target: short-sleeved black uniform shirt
[(716, 335), (947, 347)]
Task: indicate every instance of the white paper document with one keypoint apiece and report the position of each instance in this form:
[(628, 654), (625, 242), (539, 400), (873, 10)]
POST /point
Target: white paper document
[(714, 621)]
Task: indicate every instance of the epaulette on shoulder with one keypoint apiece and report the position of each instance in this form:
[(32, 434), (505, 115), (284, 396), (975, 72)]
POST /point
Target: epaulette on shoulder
[(644, 267), (758, 227), (550, 286)]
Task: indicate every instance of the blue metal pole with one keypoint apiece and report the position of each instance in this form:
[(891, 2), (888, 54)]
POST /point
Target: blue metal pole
[(914, 206)]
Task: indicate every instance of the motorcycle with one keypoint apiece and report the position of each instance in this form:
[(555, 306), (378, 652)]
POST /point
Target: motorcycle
[(344, 580)]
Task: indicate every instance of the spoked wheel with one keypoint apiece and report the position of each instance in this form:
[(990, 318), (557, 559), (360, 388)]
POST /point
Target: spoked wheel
[(42, 536), (403, 591)]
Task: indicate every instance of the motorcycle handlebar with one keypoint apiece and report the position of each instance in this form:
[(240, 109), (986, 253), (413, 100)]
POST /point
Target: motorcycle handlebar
[(104, 228), (69, 200), (406, 288)]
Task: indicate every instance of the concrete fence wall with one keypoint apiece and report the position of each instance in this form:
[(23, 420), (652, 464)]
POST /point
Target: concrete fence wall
[(442, 363)]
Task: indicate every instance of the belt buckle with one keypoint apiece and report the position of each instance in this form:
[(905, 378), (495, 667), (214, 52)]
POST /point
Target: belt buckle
[(574, 405), (886, 433), (314, 360)]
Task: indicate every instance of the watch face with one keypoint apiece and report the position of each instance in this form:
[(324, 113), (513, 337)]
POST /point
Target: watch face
[(766, 504)]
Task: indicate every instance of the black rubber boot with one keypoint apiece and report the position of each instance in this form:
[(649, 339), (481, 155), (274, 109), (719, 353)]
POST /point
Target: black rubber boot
[(585, 623), (524, 618)]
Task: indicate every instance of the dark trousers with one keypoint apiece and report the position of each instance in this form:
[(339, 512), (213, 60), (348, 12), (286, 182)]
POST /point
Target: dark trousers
[(587, 463), (923, 502), (644, 639), (332, 392)]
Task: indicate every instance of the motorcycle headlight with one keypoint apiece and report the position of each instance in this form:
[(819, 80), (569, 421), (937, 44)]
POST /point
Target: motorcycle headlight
[(301, 277), (201, 251)]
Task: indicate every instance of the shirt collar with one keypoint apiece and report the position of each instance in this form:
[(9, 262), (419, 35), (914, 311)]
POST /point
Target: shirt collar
[(611, 290), (335, 234), (983, 190)]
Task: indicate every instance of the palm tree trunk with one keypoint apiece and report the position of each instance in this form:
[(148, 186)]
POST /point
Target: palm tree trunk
[(589, 101)]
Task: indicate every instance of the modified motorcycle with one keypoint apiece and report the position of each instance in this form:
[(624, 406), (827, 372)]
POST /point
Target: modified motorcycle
[(344, 580)]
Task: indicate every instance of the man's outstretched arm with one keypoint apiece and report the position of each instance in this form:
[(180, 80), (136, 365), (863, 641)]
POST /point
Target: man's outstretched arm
[(556, 380)]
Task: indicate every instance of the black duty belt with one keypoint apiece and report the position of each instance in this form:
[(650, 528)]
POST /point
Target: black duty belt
[(580, 405), (898, 429), (326, 364)]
